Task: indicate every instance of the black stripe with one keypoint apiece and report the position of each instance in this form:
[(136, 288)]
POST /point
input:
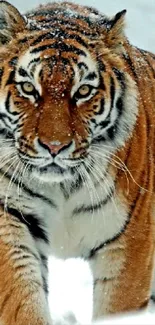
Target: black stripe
[(59, 34), (63, 16), (7, 134), (84, 209), (119, 105), (55, 22), (42, 38), (27, 250), (45, 285), (111, 132), (105, 123), (4, 117), (102, 245), (131, 65), (44, 263), (94, 121), (82, 65), (30, 192), (36, 60), (112, 91), (131, 213), (7, 102), (59, 46), (34, 225), (22, 72), (99, 139), (77, 38), (101, 66), (90, 35), (11, 78), (91, 76), (101, 110), (24, 40), (66, 61), (73, 187), (120, 77), (1, 74)]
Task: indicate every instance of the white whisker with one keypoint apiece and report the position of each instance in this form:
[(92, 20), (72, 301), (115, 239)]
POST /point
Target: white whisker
[(89, 184), (123, 165), (11, 182), (113, 162), (105, 185), (5, 163)]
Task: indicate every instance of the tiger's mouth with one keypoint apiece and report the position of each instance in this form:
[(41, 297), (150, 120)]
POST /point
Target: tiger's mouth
[(52, 170)]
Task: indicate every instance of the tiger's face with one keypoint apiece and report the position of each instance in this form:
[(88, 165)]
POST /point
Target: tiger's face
[(63, 102)]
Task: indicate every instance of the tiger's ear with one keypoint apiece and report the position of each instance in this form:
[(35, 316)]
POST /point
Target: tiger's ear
[(11, 22), (115, 30)]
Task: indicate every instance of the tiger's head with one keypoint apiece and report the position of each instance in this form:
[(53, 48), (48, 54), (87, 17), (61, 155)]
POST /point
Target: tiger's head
[(66, 99)]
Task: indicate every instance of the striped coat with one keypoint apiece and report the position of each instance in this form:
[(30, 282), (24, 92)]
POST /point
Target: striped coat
[(77, 124)]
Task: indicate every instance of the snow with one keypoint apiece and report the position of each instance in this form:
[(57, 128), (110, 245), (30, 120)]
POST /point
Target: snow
[(71, 289), (70, 281), (136, 319)]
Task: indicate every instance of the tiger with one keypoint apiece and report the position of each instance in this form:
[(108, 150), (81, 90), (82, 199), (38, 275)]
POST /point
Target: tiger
[(77, 158)]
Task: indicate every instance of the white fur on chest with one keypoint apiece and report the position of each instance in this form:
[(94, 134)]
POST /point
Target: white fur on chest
[(75, 236)]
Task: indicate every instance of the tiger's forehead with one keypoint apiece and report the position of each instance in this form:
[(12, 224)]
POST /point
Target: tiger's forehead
[(57, 69)]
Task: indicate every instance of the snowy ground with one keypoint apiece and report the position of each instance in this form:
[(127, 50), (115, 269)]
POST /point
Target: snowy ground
[(70, 281)]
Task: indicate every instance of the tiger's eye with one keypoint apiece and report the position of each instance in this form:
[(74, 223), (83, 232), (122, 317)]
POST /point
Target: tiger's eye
[(28, 88), (84, 90)]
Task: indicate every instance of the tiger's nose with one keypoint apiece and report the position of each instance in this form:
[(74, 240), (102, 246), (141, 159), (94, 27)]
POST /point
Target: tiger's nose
[(55, 146)]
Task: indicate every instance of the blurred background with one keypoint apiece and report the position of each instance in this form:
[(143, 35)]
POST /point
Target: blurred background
[(70, 281)]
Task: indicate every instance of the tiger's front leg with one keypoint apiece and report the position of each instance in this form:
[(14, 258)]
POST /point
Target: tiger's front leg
[(22, 295), (122, 277)]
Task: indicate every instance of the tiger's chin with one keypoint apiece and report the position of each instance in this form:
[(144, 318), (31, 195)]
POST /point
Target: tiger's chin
[(52, 175)]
